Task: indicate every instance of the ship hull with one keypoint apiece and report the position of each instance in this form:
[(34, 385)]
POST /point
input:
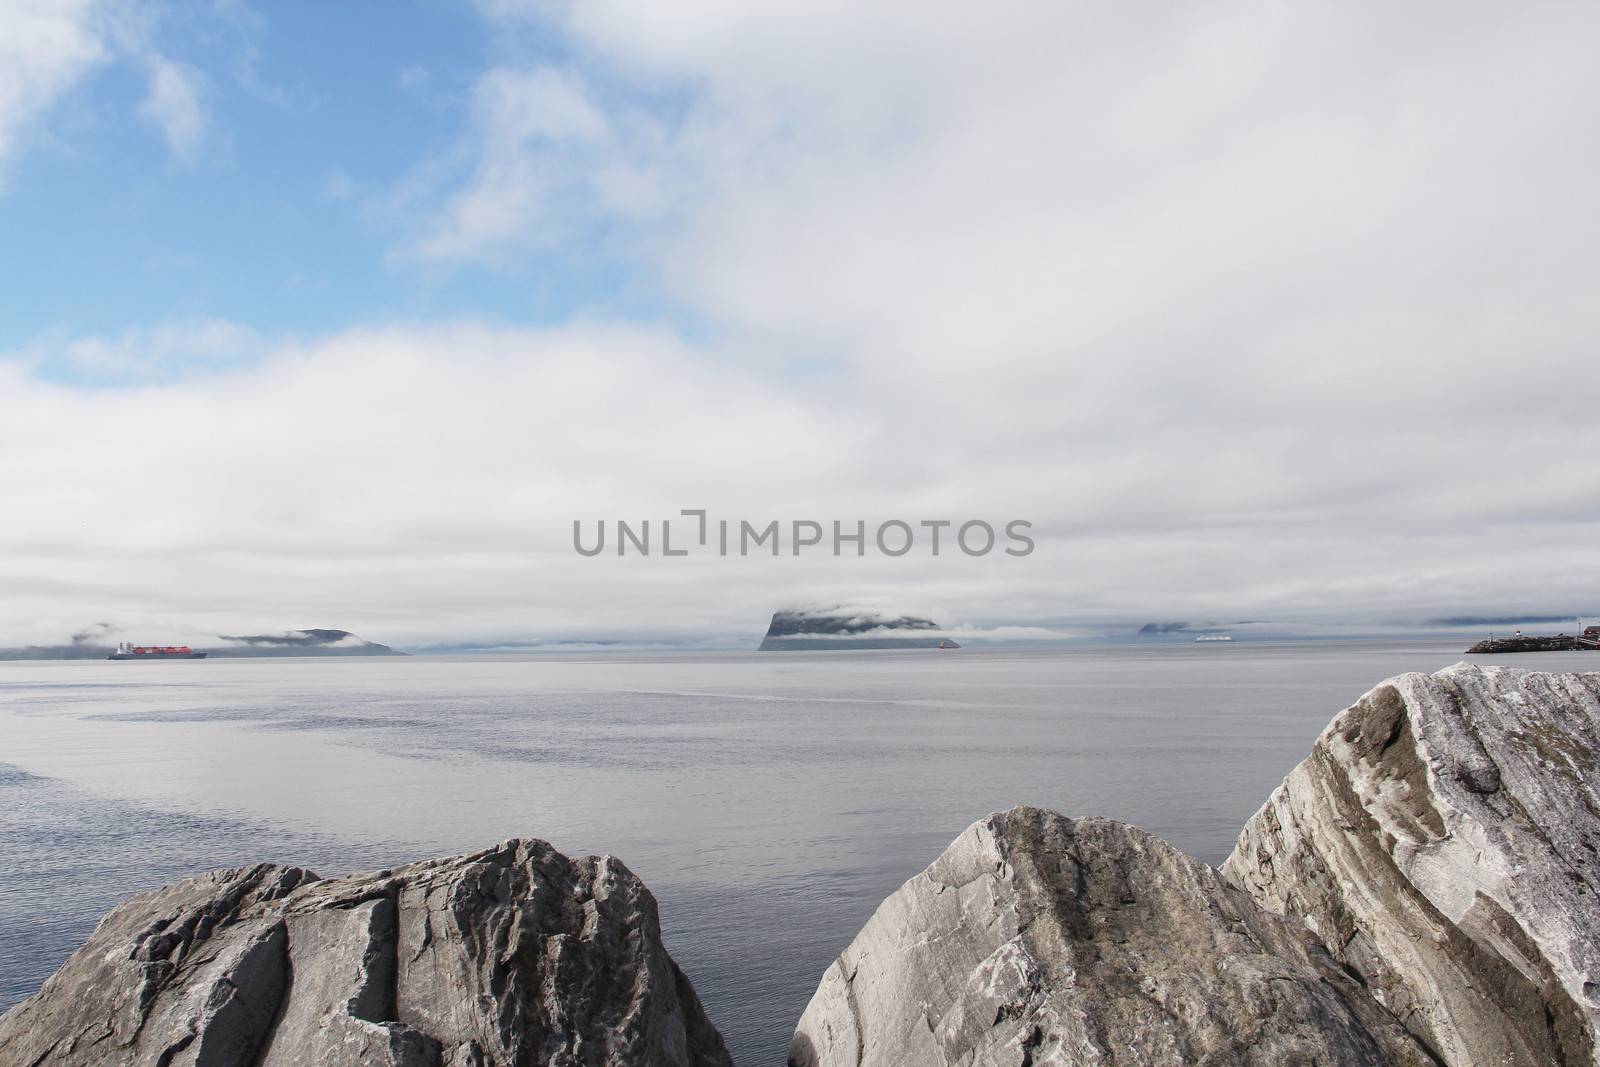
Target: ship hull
[(157, 655)]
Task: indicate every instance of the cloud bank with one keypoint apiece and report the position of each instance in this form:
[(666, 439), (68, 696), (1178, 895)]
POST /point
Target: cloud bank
[(1253, 313)]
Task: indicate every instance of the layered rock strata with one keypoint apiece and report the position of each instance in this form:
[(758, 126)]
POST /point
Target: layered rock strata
[(1443, 840)]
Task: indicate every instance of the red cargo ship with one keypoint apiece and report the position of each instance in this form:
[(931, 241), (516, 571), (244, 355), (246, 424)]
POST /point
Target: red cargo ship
[(127, 651)]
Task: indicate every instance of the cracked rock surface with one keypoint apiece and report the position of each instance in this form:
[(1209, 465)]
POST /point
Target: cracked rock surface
[(1443, 839), (515, 955), (1041, 940)]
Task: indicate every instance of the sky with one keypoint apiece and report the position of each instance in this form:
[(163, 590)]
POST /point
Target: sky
[(340, 315)]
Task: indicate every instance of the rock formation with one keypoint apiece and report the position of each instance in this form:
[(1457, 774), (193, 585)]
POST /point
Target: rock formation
[(1423, 889), (840, 629), (299, 643), (1443, 839), (1036, 939), (516, 955), (1558, 643)]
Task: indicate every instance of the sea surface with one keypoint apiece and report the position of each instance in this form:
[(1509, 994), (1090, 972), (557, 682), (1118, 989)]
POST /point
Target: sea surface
[(770, 801)]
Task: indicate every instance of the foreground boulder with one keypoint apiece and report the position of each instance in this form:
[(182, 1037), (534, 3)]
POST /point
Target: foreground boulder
[(1443, 839), (1036, 939), (516, 955)]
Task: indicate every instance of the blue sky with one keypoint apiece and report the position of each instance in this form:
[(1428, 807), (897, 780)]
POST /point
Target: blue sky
[(323, 127), (1271, 313)]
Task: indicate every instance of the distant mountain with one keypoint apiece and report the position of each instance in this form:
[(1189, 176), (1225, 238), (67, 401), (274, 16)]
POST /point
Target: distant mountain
[(300, 643), (74, 651), (1189, 629), (846, 628), (1163, 628)]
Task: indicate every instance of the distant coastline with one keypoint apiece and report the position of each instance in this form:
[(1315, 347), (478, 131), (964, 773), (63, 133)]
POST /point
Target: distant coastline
[(1588, 641), (282, 645)]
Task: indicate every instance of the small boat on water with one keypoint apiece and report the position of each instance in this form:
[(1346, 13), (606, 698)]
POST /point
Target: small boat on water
[(1212, 637), (148, 652)]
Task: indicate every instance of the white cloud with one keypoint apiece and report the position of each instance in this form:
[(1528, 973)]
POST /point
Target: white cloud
[(1069, 194), (548, 159), (1287, 310), (418, 485), (413, 77), (339, 186), (47, 46), (174, 104), (144, 354), (247, 27), (1255, 313), (417, 472)]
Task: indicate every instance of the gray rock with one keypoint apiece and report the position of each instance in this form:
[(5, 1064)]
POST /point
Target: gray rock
[(1040, 940), (1443, 839), (516, 955)]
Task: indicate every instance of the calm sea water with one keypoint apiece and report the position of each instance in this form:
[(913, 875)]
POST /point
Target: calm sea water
[(769, 800)]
